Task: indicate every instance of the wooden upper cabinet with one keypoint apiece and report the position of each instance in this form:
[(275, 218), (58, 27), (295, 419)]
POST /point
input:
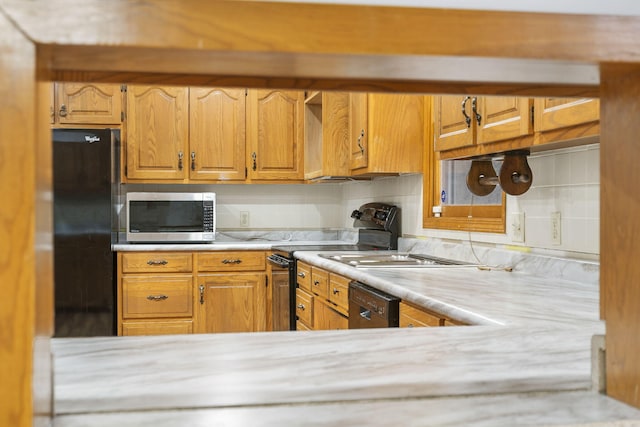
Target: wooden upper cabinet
[(157, 132), (217, 134), (387, 133), (464, 121), (87, 104), (557, 113), (275, 135)]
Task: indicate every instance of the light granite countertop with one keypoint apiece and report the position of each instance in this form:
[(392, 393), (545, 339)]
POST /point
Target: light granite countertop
[(478, 297), (526, 363)]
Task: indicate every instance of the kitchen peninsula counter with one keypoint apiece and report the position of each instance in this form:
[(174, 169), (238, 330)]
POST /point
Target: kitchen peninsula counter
[(526, 362)]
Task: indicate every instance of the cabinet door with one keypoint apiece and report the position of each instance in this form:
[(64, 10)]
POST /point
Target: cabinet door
[(85, 103), (557, 113), (326, 318), (451, 129), (502, 118), (359, 129), (396, 138), (231, 302), (157, 132), (217, 134), (275, 134)]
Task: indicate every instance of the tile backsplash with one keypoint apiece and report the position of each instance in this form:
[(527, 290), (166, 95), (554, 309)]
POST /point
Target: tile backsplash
[(565, 181)]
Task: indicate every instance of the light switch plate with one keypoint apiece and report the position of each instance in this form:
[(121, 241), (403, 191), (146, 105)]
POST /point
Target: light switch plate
[(517, 227)]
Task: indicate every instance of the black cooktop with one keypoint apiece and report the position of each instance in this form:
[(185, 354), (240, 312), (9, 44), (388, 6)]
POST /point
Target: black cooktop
[(290, 249)]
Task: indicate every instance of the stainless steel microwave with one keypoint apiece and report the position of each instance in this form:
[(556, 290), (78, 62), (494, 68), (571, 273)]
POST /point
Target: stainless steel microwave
[(171, 217)]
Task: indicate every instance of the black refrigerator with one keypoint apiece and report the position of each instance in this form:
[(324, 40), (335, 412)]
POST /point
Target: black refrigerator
[(85, 191)]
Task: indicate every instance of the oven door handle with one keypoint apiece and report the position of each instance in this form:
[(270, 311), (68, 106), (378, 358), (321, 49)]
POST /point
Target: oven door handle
[(279, 261)]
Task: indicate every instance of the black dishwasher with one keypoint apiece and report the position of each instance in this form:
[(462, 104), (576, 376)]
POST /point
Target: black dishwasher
[(372, 308)]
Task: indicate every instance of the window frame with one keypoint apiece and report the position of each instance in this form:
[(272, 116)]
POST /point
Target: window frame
[(481, 218)]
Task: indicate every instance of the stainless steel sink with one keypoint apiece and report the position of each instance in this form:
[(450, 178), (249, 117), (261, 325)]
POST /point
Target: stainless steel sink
[(393, 260)]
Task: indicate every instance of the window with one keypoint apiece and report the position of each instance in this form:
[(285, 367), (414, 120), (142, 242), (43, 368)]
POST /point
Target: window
[(445, 188)]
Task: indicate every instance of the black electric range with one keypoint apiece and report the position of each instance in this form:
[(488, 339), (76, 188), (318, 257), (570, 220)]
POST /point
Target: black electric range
[(378, 225)]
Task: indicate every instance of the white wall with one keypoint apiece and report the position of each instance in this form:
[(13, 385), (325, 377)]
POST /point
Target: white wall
[(270, 206), (566, 181)]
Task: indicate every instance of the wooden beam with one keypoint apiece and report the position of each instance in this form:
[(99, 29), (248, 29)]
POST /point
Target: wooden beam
[(620, 228), (17, 225)]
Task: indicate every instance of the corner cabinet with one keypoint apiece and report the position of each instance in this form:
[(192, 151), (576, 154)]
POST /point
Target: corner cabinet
[(86, 104), (275, 135), (157, 133), (321, 299), (232, 292), (387, 133)]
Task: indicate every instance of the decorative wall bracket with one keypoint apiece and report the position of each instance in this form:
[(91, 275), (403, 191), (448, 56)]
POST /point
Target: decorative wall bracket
[(515, 174)]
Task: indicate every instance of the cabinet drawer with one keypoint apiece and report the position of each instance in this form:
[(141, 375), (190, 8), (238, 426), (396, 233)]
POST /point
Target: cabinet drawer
[(304, 307), (151, 262), (320, 282), (339, 291), (304, 275), (413, 317), (232, 261), (157, 296), (157, 327)]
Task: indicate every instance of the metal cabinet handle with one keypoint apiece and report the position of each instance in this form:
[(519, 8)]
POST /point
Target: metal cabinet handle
[(254, 157), (63, 111), (336, 291), (301, 274), (474, 107), (467, 119), (157, 297), (157, 262), (180, 157), (231, 261), (360, 141), (301, 306), (201, 288), (366, 314), (317, 283), (193, 160)]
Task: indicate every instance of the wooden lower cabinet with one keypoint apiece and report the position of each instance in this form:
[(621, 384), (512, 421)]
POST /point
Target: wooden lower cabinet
[(325, 317), (414, 317), (321, 299), (191, 292), (231, 302)]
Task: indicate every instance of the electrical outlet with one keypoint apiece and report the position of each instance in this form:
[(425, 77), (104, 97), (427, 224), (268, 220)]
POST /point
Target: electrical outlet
[(556, 230), (244, 219), (517, 226)]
